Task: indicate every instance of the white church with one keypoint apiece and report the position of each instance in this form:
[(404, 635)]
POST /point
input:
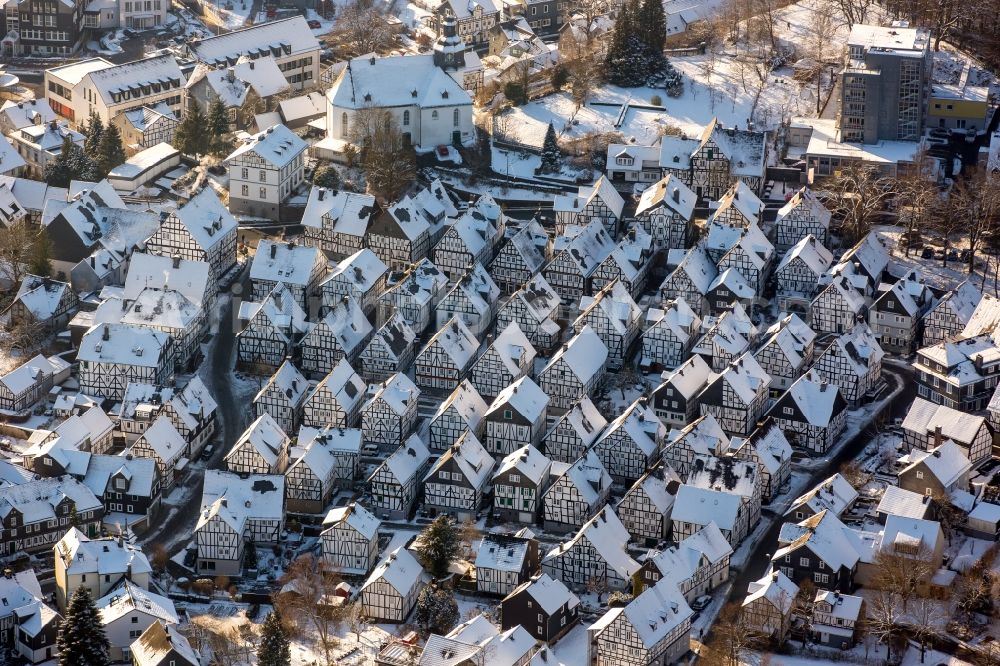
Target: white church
[(423, 92)]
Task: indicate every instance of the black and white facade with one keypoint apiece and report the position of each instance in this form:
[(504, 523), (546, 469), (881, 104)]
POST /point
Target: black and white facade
[(389, 415), (575, 370), (510, 357), (517, 416), (350, 539), (738, 396)]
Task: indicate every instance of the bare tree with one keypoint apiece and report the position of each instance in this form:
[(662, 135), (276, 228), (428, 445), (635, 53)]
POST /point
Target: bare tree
[(821, 31), (854, 11), (470, 535), (917, 195), (17, 245), (389, 164), (977, 203), (925, 621), (731, 638), (859, 196), (363, 28), (306, 598)]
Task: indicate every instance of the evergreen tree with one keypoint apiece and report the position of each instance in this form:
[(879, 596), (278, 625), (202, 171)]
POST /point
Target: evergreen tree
[(191, 137), (218, 129), (111, 152), (72, 163), (273, 649), (93, 134), (551, 156), (653, 25), (81, 639), (250, 556), (439, 546), (436, 611), (326, 176)]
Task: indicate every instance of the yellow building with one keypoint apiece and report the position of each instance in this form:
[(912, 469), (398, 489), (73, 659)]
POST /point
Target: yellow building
[(958, 107)]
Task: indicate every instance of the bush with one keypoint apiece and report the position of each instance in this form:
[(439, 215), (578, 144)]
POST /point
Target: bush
[(656, 100), (515, 93), (326, 176)]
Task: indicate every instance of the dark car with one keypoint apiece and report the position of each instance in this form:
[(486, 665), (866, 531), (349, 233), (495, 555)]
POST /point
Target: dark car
[(928, 253), (189, 557), (314, 24)]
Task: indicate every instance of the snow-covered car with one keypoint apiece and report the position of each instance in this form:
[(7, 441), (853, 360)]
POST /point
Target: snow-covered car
[(701, 603)]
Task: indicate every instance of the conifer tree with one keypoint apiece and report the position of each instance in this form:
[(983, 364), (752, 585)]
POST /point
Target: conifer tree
[(81, 639), (273, 649), (191, 137), (110, 152), (439, 546), (71, 164), (551, 156), (218, 129), (92, 134)]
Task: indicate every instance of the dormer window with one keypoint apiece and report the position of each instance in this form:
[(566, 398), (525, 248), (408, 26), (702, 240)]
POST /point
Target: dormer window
[(444, 95), (368, 97)]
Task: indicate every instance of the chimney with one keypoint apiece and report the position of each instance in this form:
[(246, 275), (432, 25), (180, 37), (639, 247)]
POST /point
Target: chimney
[(230, 74), (107, 333), (677, 195), (177, 261), (274, 250), (937, 436)]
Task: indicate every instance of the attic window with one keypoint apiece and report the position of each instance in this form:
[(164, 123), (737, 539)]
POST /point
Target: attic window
[(413, 93), (444, 95), (368, 97)]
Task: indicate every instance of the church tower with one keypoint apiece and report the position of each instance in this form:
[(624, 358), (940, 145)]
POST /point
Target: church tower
[(449, 50)]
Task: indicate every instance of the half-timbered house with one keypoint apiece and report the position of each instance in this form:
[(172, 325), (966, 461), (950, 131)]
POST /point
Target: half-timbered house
[(29, 382), (37, 513), (474, 299), (543, 606), (595, 554), (336, 399), (631, 443), (654, 628), (390, 350), (629, 263), (576, 494), (261, 449), (691, 280), (335, 221), (838, 306), (43, 303), (769, 448), (321, 461), (666, 212), (802, 215), (869, 257), (767, 608), (574, 431), (535, 309), (727, 475), (236, 510), (704, 436), (950, 315), (400, 234), (395, 485), (283, 397), (599, 202), (458, 481), (519, 481), (836, 619), (615, 317), (270, 332), (576, 370), (510, 357), (341, 333), (361, 276), (391, 590), (299, 267), (110, 356), (729, 287), (726, 337), (504, 561), (798, 274), (517, 416), (390, 413), (447, 358), (737, 397), (897, 314), (787, 352), (834, 494), (928, 425), (461, 412), (725, 156), (471, 239), (752, 256), (853, 362), (739, 207), (521, 256), (939, 472), (200, 230), (820, 549), (350, 539), (812, 414), (645, 509), (697, 564), (575, 259), (414, 294), (675, 400)]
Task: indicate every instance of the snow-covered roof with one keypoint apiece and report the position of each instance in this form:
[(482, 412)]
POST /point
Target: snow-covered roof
[(25, 112), (288, 381), (19, 589), (742, 199), (540, 299), (860, 347), (514, 349), (347, 212), (745, 377), (656, 612), (834, 494), (472, 458), (585, 420), (703, 436), (344, 384), (898, 501), (456, 340), (529, 241), (608, 536), (642, 426), (869, 254), (143, 118), (400, 570), (156, 643), (828, 538), (745, 149), (32, 372), (42, 296), (285, 37), (842, 606), (363, 270), (776, 588), (356, 516), (123, 344), (700, 506), (231, 84), (112, 82), (676, 152), (589, 477), (397, 335), (734, 281), (396, 81), (818, 401), (699, 268), (947, 462), (898, 39), (150, 271), (205, 218), (805, 203), (109, 556), (236, 499), (585, 354), (549, 593), (588, 248), (163, 438), (277, 146), (523, 396), (397, 392), (292, 264), (529, 462), (925, 417), (725, 474), (279, 309), (346, 322), (408, 459), (816, 257), (671, 193), (503, 552), (962, 300), (690, 377), (910, 291), (913, 536), (127, 597), (616, 304), (265, 437)]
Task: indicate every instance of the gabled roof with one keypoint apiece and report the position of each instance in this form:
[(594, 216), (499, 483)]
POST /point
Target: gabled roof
[(271, 38), (279, 309), (549, 593), (354, 515), (291, 264), (828, 538), (472, 459), (834, 494), (805, 203), (457, 341), (925, 417), (346, 385), (816, 257), (946, 462), (917, 536), (157, 642), (962, 301), (642, 426), (656, 612), (363, 270), (615, 303), (277, 146), (745, 377), (128, 597), (742, 199), (699, 269), (109, 556), (776, 588), (539, 298), (585, 354), (701, 506), (163, 438), (467, 402), (588, 248), (399, 569), (232, 84), (42, 296), (690, 377), (704, 436), (514, 349), (586, 421), (724, 474), (150, 271), (734, 281), (205, 218), (288, 381), (909, 291), (523, 396), (900, 502), (527, 461), (589, 477), (407, 460), (818, 401), (745, 149), (860, 347), (397, 392), (350, 212), (133, 76), (265, 437), (668, 192), (608, 536)]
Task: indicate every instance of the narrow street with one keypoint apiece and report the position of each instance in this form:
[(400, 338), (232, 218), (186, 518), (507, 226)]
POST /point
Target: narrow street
[(179, 525)]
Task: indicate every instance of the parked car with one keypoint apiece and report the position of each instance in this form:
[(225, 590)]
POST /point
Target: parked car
[(369, 449), (314, 24), (701, 603), (928, 253), (208, 451)]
